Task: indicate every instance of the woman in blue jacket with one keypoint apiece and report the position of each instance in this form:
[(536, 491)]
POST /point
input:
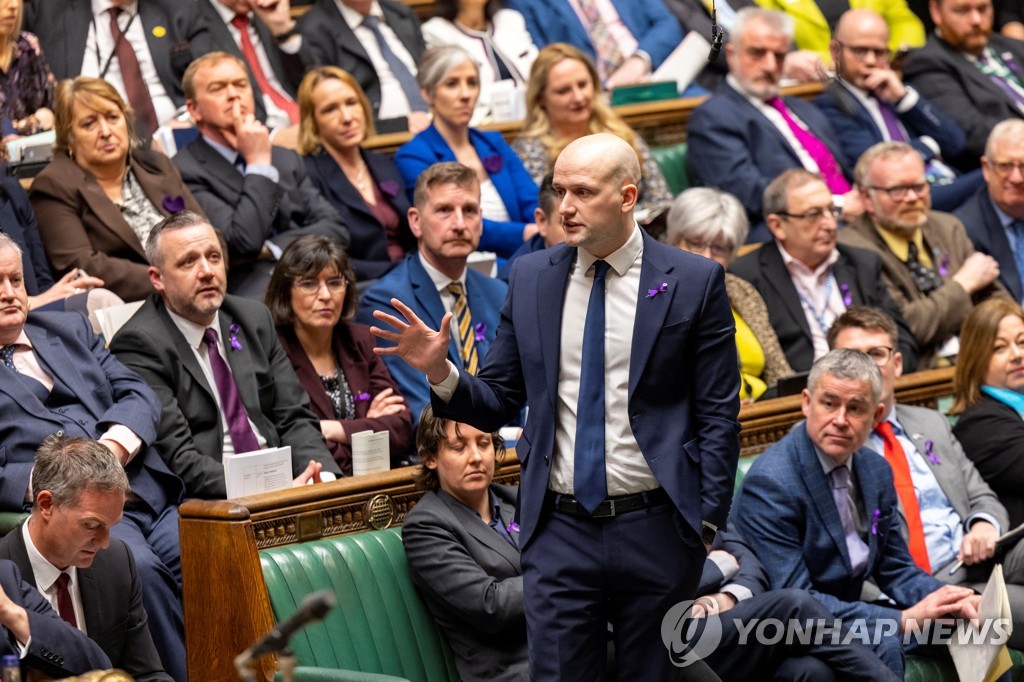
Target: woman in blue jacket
[(450, 82)]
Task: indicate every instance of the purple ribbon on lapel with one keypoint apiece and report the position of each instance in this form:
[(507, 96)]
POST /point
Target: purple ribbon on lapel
[(929, 451), (662, 288), (361, 397), (513, 527), (492, 163), (174, 204), (874, 521), (479, 330), (844, 289), (233, 331), (1011, 63), (942, 261)]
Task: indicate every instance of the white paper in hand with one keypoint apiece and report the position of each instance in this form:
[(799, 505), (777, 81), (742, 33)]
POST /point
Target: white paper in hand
[(979, 653), (259, 471), (371, 452)]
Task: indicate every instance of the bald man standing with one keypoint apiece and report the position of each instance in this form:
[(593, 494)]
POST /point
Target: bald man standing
[(623, 347)]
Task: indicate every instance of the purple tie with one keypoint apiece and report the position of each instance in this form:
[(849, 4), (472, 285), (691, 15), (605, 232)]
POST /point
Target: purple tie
[(892, 123), (830, 171), (242, 437), (840, 494)]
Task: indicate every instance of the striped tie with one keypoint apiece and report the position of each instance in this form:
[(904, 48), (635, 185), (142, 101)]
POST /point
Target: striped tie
[(464, 320)]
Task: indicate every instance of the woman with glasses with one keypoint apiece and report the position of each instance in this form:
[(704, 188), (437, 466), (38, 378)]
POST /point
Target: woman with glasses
[(312, 296), (988, 394), (713, 224)]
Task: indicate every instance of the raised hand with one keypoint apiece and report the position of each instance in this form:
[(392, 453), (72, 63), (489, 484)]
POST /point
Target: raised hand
[(423, 348)]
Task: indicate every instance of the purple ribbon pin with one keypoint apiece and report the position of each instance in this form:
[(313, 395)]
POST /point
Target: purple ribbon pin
[(361, 397), (389, 188), (479, 329), (233, 331), (847, 298), (929, 451), (943, 262), (651, 293), (173, 204), (874, 521), (513, 527), (492, 163)]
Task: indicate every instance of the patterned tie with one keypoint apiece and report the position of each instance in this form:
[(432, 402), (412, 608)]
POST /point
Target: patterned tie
[(815, 148), (896, 456), (65, 607), (405, 77), (7, 355), (892, 122), (841, 495), (590, 484), (464, 322), (1002, 76), (1017, 226), (131, 74), (280, 100), (242, 437), (924, 278), (609, 56)]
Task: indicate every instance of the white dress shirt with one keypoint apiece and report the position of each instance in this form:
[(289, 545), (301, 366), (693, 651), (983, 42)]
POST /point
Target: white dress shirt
[(820, 296), (441, 282), (99, 55), (46, 575)]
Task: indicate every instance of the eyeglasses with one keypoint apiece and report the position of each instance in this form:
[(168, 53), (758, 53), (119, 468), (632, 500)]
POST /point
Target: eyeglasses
[(880, 54), (899, 192), (312, 286), (881, 355), (759, 53), (718, 249), (1007, 167), (815, 214)]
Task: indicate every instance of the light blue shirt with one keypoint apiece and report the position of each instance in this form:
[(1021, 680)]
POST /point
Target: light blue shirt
[(1011, 236)]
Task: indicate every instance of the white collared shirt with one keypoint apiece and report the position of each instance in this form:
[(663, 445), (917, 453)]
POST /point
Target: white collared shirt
[(393, 102), (441, 282), (819, 295), (46, 575), (775, 118), (99, 49)]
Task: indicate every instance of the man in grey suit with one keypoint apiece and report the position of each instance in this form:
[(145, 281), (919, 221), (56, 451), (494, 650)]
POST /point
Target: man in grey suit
[(948, 514)]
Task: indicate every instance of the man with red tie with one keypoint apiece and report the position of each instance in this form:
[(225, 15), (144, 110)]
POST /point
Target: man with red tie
[(950, 517), (747, 134)]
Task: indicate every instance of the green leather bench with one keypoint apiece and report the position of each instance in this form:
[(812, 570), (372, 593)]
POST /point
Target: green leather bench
[(671, 159)]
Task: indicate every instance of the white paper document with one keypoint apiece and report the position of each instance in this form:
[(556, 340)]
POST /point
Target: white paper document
[(685, 62), (259, 471), (979, 653), (371, 452)]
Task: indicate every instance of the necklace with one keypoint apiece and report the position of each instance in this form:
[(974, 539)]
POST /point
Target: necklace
[(361, 177)]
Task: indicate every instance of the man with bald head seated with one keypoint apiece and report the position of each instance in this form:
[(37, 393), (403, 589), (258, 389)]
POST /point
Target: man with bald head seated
[(629, 454)]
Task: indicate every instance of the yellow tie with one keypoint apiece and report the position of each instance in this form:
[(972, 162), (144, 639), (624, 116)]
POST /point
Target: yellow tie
[(464, 321)]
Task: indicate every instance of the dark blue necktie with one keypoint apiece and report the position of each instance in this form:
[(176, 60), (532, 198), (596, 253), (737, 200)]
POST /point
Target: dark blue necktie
[(405, 77), (1018, 246), (589, 483), (7, 356)]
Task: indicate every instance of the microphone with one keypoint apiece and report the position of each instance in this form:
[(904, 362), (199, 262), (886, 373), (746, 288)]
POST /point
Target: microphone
[(717, 35), (313, 608)]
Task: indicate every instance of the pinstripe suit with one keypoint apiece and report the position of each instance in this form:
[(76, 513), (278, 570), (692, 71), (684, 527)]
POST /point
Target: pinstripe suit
[(786, 512)]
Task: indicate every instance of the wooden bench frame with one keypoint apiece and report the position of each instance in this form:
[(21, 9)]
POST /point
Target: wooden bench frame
[(225, 596)]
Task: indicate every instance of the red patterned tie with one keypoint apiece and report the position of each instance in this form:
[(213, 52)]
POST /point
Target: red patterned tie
[(131, 74), (65, 607), (897, 459), (280, 100)]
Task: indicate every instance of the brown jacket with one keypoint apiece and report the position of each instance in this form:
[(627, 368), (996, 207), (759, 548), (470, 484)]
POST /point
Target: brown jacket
[(81, 227)]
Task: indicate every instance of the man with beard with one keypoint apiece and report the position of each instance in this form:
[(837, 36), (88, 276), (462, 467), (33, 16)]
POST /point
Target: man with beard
[(224, 382), (928, 263)]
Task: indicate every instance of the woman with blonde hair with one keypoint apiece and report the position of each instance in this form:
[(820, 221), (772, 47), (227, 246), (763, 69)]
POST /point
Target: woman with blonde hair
[(564, 101), (335, 118)]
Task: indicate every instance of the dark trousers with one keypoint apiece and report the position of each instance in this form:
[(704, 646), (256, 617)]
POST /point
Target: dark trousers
[(580, 574)]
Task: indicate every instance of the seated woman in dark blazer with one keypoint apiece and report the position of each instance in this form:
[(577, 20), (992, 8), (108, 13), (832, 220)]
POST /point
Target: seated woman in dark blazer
[(312, 296), (99, 198), (450, 82), (365, 188)]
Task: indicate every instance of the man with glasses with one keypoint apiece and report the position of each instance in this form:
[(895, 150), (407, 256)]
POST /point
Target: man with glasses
[(994, 216), (867, 103), (214, 360), (806, 280), (746, 134), (949, 516), (928, 263)]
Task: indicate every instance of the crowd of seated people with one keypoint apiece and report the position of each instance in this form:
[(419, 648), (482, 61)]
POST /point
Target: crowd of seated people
[(277, 201)]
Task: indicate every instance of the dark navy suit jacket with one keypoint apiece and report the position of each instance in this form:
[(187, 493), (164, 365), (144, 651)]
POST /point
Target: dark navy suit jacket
[(733, 147), (411, 285), (786, 513), (683, 381), (979, 216), (18, 221), (513, 183)]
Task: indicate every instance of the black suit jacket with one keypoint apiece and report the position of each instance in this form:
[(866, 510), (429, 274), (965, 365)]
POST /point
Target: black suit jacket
[(472, 582), (694, 16), (988, 236), (191, 435), (251, 209), (369, 248), (112, 602), (992, 435), (214, 36), (958, 88), (858, 269), (63, 30), (333, 42)]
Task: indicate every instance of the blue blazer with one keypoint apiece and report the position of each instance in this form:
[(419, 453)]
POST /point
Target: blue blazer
[(85, 372), (988, 236), (786, 513), (857, 131), (18, 221), (369, 248), (517, 189), (734, 148), (651, 23), (410, 283), (683, 382)]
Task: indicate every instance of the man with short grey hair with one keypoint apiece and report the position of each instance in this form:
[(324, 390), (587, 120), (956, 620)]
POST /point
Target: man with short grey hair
[(821, 512), (65, 550)]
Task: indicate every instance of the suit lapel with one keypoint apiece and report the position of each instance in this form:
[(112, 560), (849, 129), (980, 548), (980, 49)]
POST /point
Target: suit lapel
[(870, 490), (240, 361), (92, 605), (51, 355), (1000, 245), (346, 39), (483, 533), (186, 355), (106, 211), (76, 34), (430, 300), (19, 553), (762, 121), (221, 170), (820, 490), (159, 45), (778, 278), (551, 283), (650, 310), (846, 279)]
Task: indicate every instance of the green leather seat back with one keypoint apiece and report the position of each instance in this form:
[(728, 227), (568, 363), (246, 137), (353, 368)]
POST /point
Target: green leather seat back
[(671, 160), (380, 624)]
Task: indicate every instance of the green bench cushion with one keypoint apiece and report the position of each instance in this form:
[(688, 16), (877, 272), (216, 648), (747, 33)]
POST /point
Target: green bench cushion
[(671, 159)]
